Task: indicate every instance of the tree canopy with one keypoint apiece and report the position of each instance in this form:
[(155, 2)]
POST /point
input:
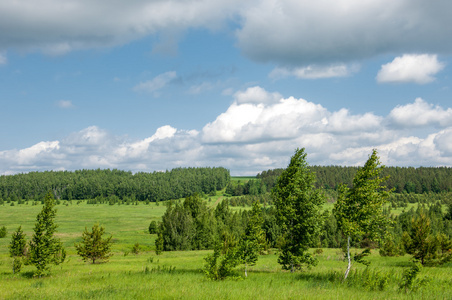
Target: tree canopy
[(298, 210)]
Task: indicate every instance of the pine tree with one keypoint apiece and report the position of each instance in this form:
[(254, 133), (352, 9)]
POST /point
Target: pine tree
[(298, 207), (45, 249), (93, 247), (17, 248), (359, 210)]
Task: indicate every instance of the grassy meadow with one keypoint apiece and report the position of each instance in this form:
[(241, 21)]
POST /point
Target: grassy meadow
[(178, 275)]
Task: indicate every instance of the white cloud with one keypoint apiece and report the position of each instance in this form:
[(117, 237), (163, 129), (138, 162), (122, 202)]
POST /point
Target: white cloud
[(315, 72), (415, 68), (443, 141), (420, 113), (29, 155), (156, 83), (250, 137), (65, 104), (256, 94)]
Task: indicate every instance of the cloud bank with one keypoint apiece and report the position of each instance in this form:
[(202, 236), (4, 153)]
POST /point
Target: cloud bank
[(252, 136), (288, 32)]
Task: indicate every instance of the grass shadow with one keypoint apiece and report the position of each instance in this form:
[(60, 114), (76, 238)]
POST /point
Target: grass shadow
[(332, 276)]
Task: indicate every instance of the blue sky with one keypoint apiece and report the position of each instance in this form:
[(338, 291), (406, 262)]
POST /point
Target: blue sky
[(153, 85)]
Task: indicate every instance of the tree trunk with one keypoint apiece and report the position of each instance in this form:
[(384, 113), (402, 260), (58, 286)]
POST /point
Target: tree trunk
[(348, 257)]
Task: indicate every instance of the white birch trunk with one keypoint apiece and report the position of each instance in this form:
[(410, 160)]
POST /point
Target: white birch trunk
[(348, 257)]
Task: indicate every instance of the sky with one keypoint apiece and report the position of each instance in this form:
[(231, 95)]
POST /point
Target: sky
[(148, 86)]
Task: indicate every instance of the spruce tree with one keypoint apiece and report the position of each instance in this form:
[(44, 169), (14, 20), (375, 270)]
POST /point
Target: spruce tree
[(46, 249), (298, 206), (17, 248)]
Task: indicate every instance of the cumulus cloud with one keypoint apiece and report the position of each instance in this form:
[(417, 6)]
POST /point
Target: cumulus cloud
[(250, 137), (419, 69), (156, 83), (315, 72), (443, 141), (256, 94), (420, 113)]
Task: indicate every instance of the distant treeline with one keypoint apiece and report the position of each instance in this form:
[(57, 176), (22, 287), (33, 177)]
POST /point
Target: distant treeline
[(89, 184), (408, 179), (183, 182)]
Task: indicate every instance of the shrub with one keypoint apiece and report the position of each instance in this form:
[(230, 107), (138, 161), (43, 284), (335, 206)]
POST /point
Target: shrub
[(3, 232), (136, 248)]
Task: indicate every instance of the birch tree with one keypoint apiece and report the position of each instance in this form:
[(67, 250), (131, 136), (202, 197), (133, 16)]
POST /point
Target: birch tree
[(298, 207), (359, 209), (253, 240)]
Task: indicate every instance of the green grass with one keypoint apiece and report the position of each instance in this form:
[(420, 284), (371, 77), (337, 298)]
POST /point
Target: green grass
[(177, 275), (243, 179)]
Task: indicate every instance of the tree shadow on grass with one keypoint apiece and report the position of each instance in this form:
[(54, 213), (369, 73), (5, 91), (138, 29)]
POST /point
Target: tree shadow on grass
[(28, 274), (332, 276)]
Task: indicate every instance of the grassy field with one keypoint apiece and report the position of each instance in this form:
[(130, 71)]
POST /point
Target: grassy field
[(178, 275)]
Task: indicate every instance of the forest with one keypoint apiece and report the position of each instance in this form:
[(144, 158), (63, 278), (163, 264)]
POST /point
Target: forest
[(89, 184), (183, 182)]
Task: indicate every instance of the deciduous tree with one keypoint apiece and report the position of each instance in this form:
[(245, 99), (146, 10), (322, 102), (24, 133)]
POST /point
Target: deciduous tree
[(253, 240), (359, 210), (298, 204)]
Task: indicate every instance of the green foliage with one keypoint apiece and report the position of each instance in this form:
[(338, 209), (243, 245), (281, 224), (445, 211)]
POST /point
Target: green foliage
[(192, 225), (159, 243), (89, 184), (410, 280), (45, 249), (3, 232), (17, 249), (221, 264), (359, 258), (298, 210), (371, 280), (426, 247), (359, 210), (136, 248), (17, 264), (389, 248), (94, 247), (153, 227), (253, 240), (18, 244)]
